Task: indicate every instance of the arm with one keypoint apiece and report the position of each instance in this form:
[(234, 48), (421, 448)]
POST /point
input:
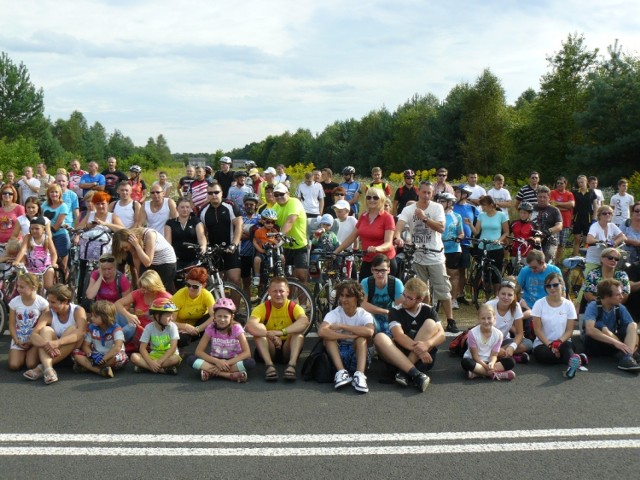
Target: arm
[(145, 255), (557, 227), (94, 286), (59, 221), (347, 241), (330, 331), (288, 224), (141, 217), (505, 232), (167, 234), (605, 336), (53, 253), (237, 230), (386, 245), (173, 212), (122, 307)]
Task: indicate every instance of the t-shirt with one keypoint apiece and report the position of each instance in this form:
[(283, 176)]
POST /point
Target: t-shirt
[(310, 195), (198, 192), (523, 230), (500, 196), (225, 180), (8, 222), (608, 318), (236, 195), (504, 323), (583, 209), (352, 188), (385, 187), (141, 309), (225, 345), (372, 234), (629, 232), (477, 192), (553, 319), (527, 194), (566, 196), (279, 317), (533, 283), (411, 323), (361, 318), (452, 229), (594, 251), (102, 341), (328, 197), (181, 235), (218, 222), (545, 219), (137, 189), (109, 290), (466, 211), (53, 214), (486, 347), (25, 191), (160, 340), (492, 227), (192, 309), (621, 205), (27, 316), (594, 277), (381, 297), (88, 178), (422, 235), (299, 230), (185, 183), (71, 200), (345, 228), (405, 194), (74, 181)]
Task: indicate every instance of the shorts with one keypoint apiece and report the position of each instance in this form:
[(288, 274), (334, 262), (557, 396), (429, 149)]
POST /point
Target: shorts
[(246, 267), (563, 236), (157, 354), (420, 365), (298, 257), (581, 228), (231, 260), (528, 344), (349, 357), (452, 260), (381, 326), (15, 346), (465, 257), (596, 348), (437, 274), (120, 360)]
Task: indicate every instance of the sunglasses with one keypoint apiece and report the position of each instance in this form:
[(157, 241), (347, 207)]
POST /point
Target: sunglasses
[(156, 193), (279, 194), (508, 283), (379, 270), (269, 222), (373, 197), (108, 260), (194, 286), (442, 174), (610, 257), (553, 285), (7, 193), (217, 192), (636, 211)]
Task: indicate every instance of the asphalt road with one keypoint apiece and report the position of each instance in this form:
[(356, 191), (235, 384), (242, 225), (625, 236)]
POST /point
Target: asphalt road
[(152, 426)]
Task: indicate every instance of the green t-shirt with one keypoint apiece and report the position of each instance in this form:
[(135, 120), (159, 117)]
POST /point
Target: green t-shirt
[(299, 229)]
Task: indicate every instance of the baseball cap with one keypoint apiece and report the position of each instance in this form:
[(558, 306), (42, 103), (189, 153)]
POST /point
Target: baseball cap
[(253, 171), (342, 204), (326, 218), (270, 170), (281, 188)]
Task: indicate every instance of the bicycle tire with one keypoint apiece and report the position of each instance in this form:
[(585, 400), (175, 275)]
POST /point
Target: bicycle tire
[(300, 294), (239, 297), (574, 280), (324, 302), (483, 286), (4, 317)]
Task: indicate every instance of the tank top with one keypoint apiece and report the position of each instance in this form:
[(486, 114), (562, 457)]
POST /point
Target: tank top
[(38, 257), (126, 213), (157, 220), (164, 252), (59, 327)]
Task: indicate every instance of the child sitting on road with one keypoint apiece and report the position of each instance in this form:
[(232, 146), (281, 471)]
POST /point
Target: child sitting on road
[(484, 341), (223, 350), (162, 336), (102, 351)]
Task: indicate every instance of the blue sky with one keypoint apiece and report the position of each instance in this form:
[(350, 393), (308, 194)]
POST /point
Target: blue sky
[(215, 74)]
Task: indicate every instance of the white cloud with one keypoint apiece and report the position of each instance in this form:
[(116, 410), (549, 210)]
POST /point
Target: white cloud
[(221, 74)]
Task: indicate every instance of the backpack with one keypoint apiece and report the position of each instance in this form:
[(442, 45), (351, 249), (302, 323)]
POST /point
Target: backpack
[(267, 306), (391, 288), (458, 345), (616, 311), (94, 243), (318, 366)]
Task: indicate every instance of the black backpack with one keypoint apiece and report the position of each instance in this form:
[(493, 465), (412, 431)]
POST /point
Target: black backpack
[(391, 288), (318, 366)]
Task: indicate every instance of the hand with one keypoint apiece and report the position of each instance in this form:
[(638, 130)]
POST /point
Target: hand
[(467, 221), (222, 365), (154, 365), (624, 348), (133, 241), (192, 330), (371, 249), (399, 242), (133, 319)]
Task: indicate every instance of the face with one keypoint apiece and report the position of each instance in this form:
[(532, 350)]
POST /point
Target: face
[(165, 318), (561, 185), (214, 194), (225, 167), (280, 169), (268, 196), (249, 207), (62, 182), (74, 166), (377, 176), (194, 288), (348, 302), (31, 209), (101, 207), (605, 216), (54, 196), (610, 260), (162, 177), (36, 231), (381, 272), (278, 292), (425, 193), (582, 183), (622, 188), (125, 191), (616, 296), (108, 269), (157, 194), (317, 176), (506, 295), (112, 163), (95, 320), (497, 184), (442, 176), (636, 211), (268, 224), (347, 177), (25, 288), (373, 200), (11, 177), (56, 305), (486, 318), (537, 267), (472, 179), (28, 172), (241, 180), (554, 287), (325, 177), (184, 209), (341, 213), (7, 196), (223, 318), (524, 215), (409, 180), (593, 183), (190, 172), (41, 169), (409, 300), (543, 200), (534, 179), (281, 197), (200, 173), (93, 168)]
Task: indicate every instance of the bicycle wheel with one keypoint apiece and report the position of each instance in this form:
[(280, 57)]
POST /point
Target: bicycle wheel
[(3, 317), (242, 301), (574, 279), (300, 294), (325, 299), (483, 285)]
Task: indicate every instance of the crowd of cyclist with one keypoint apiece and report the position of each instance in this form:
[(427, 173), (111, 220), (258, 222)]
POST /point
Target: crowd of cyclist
[(108, 215)]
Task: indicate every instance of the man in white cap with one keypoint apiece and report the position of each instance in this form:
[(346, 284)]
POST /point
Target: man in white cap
[(292, 221), (269, 179), (224, 176), (346, 223)]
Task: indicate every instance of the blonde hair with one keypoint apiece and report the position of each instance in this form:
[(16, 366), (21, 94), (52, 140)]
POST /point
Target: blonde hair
[(151, 281), (106, 311), (121, 237), (374, 191), (417, 286), (30, 279), (485, 307)]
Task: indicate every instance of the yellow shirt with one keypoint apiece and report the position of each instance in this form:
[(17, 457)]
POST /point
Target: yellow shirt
[(279, 317), (192, 309)]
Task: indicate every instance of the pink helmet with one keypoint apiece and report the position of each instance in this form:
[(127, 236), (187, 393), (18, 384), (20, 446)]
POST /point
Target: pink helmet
[(225, 303)]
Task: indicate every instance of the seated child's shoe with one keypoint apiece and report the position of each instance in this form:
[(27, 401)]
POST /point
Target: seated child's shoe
[(342, 378), (507, 375), (574, 363), (106, 372), (421, 381), (359, 382), (402, 379)]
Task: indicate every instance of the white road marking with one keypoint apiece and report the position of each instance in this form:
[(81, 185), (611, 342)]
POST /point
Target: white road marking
[(319, 451)]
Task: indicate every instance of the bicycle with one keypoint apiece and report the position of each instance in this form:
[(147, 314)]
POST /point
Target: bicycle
[(485, 274), (517, 262), (212, 261), (272, 267), (405, 267), (8, 277)]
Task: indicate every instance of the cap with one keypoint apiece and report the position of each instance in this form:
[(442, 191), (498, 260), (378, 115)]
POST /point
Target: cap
[(326, 219), (270, 170), (253, 171), (342, 204), (38, 221), (281, 188)]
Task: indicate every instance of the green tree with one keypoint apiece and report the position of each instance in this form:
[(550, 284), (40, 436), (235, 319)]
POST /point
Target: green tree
[(163, 151), (119, 146), (17, 154), (95, 144), (447, 151), (21, 104), (71, 133)]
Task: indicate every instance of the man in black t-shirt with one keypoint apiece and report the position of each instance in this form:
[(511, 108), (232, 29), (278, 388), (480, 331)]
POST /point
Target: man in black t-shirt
[(112, 178), (416, 333), (185, 182), (406, 193), (549, 221), (224, 176), (328, 185)]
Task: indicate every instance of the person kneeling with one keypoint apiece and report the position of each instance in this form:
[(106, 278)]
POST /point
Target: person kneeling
[(345, 331), (609, 328), (411, 349)]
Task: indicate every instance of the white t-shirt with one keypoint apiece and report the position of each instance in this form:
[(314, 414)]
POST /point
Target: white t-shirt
[(484, 346), (621, 205), (477, 192), (504, 323), (501, 195), (310, 196), (26, 192), (553, 319), (599, 197), (594, 251), (423, 235), (338, 316), (346, 227)]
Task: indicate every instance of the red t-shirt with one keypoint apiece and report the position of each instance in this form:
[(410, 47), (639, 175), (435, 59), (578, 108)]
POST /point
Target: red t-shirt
[(141, 309), (521, 229), (565, 196), (372, 234), (8, 221)]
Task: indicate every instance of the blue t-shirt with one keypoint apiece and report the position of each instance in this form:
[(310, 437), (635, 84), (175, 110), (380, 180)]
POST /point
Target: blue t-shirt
[(492, 227), (71, 200), (352, 188), (452, 228), (533, 283), (381, 298), (53, 214), (470, 212), (88, 178), (608, 319)]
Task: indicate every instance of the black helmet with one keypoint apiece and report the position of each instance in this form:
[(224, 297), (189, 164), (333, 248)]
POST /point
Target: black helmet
[(239, 173), (526, 206), (409, 173), (348, 170)]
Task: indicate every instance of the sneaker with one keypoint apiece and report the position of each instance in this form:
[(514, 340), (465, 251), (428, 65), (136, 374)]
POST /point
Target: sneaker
[(451, 326), (137, 369), (359, 382), (574, 363), (507, 375), (342, 378), (454, 304), (256, 281), (522, 358), (171, 371), (402, 379), (106, 372), (421, 381), (463, 301), (584, 361), (628, 364)]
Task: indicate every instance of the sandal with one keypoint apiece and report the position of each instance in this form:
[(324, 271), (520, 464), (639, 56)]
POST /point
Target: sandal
[(290, 373), (271, 374), (239, 377), (204, 375), (34, 373), (50, 376)]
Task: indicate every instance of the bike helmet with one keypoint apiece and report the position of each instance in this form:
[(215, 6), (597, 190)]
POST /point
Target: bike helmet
[(251, 197), (446, 196), (463, 189), (135, 168), (163, 305), (225, 303), (250, 164), (526, 206), (409, 173), (225, 160), (348, 170), (269, 214), (239, 173)]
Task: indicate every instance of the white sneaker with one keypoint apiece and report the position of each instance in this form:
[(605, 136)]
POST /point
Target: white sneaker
[(342, 378), (360, 382), (256, 281), (454, 304)]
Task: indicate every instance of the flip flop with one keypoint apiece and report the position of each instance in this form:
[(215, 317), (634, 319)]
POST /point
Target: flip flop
[(290, 373), (50, 376), (34, 373), (271, 374)]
